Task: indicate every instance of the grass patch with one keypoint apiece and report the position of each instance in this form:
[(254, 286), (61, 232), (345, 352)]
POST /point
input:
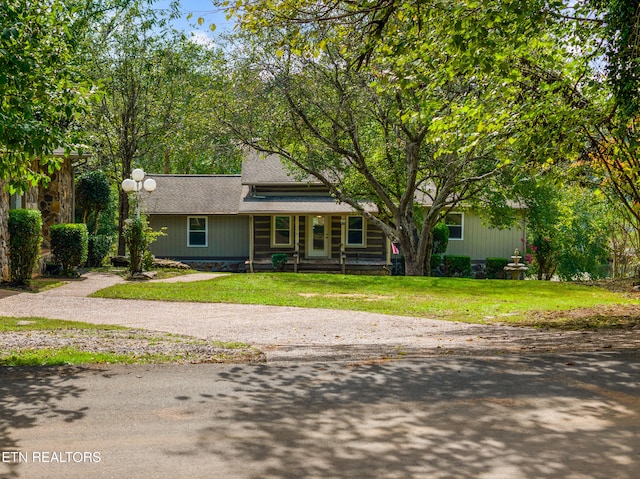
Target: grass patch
[(36, 285), (613, 318), (49, 342), (69, 355), (43, 324), (439, 298)]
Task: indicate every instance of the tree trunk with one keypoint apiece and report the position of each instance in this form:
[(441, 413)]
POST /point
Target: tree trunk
[(410, 245), (123, 214)]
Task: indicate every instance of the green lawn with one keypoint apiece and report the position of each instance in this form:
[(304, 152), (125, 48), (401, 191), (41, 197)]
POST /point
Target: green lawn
[(438, 298)]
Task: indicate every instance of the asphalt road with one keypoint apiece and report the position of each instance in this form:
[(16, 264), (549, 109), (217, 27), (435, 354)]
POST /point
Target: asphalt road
[(546, 416)]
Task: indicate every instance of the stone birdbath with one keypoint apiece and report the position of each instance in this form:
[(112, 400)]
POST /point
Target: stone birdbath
[(516, 268)]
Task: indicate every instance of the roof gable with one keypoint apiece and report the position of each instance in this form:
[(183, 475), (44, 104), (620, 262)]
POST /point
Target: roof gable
[(258, 169)]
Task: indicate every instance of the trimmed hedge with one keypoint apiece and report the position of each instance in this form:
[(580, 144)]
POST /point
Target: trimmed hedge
[(457, 266), (25, 239), (99, 247), (495, 267), (69, 245), (436, 261)]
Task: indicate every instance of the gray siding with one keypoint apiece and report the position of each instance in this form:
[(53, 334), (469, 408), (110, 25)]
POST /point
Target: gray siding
[(228, 237), (480, 242)]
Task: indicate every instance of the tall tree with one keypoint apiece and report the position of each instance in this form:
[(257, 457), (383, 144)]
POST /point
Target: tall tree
[(407, 104), (131, 62), (42, 91), (153, 100)]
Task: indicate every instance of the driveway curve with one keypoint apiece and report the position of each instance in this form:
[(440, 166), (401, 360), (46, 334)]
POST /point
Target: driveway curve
[(292, 333)]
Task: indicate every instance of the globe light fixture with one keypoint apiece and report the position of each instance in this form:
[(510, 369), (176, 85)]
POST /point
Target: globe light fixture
[(137, 184)]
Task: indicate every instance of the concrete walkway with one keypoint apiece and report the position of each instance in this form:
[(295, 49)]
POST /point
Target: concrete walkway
[(284, 333)]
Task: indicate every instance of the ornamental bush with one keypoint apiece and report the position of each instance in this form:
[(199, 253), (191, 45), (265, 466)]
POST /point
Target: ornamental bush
[(279, 260), (25, 238), (138, 235), (495, 267), (69, 245), (440, 238), (434, 264), (457, 266), (136, 240), (99, 247)]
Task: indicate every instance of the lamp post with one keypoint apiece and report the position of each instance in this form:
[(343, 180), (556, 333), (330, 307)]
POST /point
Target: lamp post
[(137, 183)]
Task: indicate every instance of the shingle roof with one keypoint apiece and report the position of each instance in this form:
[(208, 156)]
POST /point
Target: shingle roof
[(258, 169), (297, 205), (194, 194)]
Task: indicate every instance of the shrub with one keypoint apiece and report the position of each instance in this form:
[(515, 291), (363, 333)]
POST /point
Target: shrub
[(457, 266), (69, 245), (138, 235), (436, 261), (279, 260), (93, 195), (440, 238), (135, 238), (99, 247), (495, 267), (25, 238)]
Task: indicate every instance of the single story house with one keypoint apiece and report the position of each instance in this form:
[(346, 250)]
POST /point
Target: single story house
[(237, 222)]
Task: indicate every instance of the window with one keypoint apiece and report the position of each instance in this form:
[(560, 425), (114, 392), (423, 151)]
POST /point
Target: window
[(356, 231), (16, 202), (455, 222), (281, 231), (197, 231)]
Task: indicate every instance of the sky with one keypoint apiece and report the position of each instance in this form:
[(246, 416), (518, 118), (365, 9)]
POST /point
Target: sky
[(199, 8)]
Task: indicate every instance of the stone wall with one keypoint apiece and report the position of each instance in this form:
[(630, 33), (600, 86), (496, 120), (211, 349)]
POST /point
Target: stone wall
[(56, 201), (217, 266)]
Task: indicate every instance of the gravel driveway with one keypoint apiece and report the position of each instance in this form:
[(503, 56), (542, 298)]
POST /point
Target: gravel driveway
[(287, 333)]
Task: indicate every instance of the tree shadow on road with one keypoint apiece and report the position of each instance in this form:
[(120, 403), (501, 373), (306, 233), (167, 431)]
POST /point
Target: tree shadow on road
[(574, 417), (28, 396)]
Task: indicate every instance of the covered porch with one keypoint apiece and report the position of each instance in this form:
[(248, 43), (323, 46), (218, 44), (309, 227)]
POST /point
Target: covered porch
[(321, 242)]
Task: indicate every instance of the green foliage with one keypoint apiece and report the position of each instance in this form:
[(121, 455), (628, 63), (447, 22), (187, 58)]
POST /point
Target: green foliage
[(93, 195), (622, 23), (495, 267), (568, 233), (279, 260), (25, 238), (69, 245), (436, 261), (138, 236), (155, 109), (584, 237), (544, 256), (340, 113), (440, 237), (457, 266), (136, 240), (42, 90), (99, 247)]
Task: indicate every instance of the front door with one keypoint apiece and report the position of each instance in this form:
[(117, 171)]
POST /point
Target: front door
[(318, 236)]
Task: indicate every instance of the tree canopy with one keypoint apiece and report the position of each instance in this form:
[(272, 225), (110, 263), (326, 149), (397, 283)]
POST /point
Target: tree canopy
[(414, 105), (42, 91)]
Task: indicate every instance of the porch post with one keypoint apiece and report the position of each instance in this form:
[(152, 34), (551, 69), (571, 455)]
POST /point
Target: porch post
[(251, 243), (343, 241), (296, 239)]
